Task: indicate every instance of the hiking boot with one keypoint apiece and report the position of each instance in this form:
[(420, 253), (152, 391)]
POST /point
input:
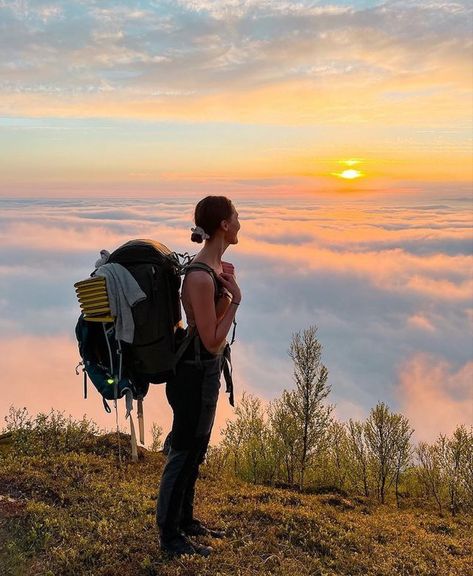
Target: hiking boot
[(204, 551), (180, 545), (196, 528)]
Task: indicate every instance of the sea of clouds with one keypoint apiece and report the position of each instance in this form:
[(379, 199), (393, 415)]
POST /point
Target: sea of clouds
[(388, 282)]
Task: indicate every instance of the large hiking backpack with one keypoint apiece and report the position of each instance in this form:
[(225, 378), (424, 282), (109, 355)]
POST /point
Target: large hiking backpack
[(126, 369), (117, 368)]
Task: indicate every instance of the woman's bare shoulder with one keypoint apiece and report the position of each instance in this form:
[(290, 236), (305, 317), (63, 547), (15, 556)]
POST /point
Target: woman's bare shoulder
[(198, 278), (198, 281)]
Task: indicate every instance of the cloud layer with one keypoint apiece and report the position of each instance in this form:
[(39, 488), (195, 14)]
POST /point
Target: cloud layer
[(389, 287)]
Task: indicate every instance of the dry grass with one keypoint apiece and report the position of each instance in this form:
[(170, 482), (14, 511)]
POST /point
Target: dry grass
[(79, 514)]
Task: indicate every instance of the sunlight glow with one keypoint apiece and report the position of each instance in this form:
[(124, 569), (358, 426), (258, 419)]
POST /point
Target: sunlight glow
[(348, 174), (351, 162)]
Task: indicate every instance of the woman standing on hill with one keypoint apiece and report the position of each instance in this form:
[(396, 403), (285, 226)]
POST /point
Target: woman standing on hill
[(210, 297)]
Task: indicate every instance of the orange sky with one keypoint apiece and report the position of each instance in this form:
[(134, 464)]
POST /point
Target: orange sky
[(155, 100)]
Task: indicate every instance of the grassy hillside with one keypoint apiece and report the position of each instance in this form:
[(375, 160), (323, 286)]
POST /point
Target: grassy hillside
[(80, 514)]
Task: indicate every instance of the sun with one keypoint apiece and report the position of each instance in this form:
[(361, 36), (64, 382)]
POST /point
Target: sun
[(350, 173)]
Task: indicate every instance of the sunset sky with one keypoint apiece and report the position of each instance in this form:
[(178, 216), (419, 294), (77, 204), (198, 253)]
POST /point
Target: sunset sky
[(343, 132), (117, 97)]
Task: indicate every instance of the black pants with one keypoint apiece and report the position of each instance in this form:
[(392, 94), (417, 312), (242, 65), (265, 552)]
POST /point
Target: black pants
[(192, 394)]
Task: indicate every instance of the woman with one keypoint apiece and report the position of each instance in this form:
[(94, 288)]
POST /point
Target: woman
[(210, 297)]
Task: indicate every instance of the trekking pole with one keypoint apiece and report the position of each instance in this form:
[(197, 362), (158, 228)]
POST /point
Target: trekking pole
[(118, 434)]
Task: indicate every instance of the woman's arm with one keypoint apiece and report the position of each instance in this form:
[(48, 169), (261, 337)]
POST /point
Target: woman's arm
[(212, 328), (222, 304), (224, 301)]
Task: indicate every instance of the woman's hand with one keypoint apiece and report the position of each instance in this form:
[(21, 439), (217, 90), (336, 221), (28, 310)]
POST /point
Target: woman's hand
[(228, 268), (229, 282)]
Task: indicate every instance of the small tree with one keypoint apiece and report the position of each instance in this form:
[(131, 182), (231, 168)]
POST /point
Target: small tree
[(17, 419), (232, 438), (358, 455), (387, 436), (454, 461), (216, 461), (429, 470), (445, 469), (305, 402), (338, 452), (284, 435), (466, 472), (156, 437), (251, 413), (247, 438), (402, 451)]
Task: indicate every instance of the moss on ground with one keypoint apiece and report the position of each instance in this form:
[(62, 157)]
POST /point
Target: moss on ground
[(80, 514)]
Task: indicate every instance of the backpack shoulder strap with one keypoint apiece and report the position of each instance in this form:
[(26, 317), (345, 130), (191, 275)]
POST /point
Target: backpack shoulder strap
[(218, 290), (205, 268)]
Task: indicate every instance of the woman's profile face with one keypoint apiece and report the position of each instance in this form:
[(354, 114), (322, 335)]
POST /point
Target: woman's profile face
[(233, 227)]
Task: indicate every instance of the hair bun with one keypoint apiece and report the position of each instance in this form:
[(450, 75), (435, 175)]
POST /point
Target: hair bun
[(199, 235), (196, 238)]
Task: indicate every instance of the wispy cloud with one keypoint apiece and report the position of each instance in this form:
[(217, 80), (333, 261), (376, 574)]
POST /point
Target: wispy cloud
[(435, 396), (244, 90), (168, 56)]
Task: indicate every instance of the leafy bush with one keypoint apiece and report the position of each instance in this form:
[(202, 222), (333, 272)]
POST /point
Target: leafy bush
[(46, 433)]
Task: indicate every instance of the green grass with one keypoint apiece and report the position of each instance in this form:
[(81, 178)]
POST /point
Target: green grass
[(80, 514)]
